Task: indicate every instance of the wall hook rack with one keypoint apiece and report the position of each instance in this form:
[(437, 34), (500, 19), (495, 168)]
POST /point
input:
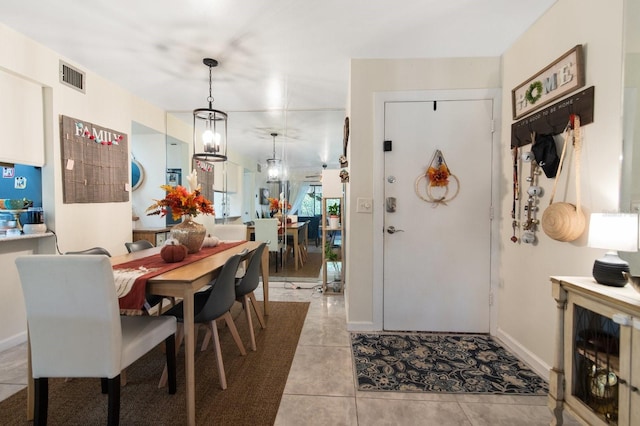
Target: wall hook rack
[(553, 119)]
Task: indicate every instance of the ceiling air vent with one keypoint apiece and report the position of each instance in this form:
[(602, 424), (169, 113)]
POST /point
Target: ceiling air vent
[(72, 77)]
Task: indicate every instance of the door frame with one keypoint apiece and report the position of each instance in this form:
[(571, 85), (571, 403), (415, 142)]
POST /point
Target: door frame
[(380, 99)]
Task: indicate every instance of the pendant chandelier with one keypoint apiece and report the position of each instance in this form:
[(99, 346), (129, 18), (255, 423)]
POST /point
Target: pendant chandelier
[(274, 165), (209, 128)]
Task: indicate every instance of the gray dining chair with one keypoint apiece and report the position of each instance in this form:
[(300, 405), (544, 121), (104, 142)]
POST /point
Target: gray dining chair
[(138, 245), (93, 250), (71, 338), (209, 306), (245, 288)]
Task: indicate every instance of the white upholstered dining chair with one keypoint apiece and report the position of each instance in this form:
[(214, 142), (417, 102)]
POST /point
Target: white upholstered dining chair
[(75, 327), (266, 230), (232, 232)]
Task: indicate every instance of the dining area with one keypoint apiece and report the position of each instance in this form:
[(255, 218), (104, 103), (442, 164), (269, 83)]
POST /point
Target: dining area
[(284, 240), (198, 286)]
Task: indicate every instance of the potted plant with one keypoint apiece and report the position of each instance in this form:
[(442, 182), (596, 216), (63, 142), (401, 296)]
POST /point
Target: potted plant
[(334, 258), (334, 215)]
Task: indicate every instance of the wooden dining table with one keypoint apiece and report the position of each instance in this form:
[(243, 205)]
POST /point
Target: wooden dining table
[(183, 282), (299, 245)]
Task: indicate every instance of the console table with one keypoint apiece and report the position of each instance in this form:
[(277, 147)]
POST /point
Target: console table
[(155, 236), (596, 368)]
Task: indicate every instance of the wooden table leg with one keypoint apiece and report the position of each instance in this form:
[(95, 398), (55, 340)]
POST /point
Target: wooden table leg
[(189, 355), (265, 279), (296, 251)]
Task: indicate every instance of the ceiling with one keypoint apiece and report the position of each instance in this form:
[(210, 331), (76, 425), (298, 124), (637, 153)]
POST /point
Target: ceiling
[(284, 64)]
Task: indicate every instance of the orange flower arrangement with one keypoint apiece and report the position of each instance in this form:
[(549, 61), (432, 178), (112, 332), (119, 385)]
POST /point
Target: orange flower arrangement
[(276, 205), (438, 176), (181, 202)]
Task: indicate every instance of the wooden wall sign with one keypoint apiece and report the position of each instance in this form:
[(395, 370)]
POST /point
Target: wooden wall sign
[(95, 163), (564, 75), (553, 119)]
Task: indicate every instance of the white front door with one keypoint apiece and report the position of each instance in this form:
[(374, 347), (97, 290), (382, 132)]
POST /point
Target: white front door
[(437, 265)]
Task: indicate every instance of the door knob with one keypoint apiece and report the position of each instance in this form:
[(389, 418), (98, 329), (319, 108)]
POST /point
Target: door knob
[(393, 230)]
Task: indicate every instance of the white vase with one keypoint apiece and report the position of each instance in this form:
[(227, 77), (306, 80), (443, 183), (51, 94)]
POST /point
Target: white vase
[(334, 222)]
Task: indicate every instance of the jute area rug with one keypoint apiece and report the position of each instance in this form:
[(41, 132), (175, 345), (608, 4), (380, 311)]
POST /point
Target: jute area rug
[(255, 382), (430, 362), (309, 272)]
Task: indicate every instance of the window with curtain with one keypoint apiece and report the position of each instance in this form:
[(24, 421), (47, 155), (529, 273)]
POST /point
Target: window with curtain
[(312, 202)]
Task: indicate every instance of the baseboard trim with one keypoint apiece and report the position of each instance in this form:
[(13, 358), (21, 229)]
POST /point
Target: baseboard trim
[(13, 341), (533, 361), (361, 326)]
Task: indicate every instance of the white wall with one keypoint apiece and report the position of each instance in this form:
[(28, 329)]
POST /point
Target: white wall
[(526, 309), (149, 150), (77, 226), (80, 226), (370, 76)]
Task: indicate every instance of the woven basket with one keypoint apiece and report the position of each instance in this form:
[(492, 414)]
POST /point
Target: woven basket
[(563, 222)]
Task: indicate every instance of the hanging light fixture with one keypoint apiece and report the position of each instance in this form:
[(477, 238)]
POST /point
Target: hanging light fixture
[(274, 165), (209, 128)]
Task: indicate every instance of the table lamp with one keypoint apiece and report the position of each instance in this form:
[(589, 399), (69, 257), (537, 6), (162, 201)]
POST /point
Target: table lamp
[(613, 232)]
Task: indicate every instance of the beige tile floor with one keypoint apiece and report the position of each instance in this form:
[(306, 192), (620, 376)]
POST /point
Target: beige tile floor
[(321, 387)]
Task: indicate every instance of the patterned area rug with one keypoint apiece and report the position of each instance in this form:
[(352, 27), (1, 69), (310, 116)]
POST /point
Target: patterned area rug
[(429, 362)]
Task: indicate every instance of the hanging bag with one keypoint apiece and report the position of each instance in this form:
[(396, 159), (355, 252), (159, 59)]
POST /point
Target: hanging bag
[(566, 221), (544, 151)]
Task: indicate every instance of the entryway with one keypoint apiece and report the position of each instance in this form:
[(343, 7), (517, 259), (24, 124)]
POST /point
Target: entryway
[(437, 263)]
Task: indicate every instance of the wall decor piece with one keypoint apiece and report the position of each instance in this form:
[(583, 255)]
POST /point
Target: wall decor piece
[(95, 163), (137, 174), (564, 75), (529, 226), (205, 176), (437, 179), (345, 137), (8, 172), (264, 196), (553, 119)]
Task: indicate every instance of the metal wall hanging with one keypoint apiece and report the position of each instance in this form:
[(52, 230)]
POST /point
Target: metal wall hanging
[(534, 191), (438, 178)]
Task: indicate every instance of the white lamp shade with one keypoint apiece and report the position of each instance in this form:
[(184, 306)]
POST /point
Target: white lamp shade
[(614, 231)]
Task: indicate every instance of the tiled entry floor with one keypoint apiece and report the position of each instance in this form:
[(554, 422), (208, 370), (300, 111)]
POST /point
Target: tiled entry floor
[(321, 386)]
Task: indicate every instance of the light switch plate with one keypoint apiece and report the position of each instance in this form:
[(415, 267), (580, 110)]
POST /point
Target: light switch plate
[(364, 205)]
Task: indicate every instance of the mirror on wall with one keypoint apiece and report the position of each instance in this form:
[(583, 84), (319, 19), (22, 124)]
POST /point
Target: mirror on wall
[(630, 179)]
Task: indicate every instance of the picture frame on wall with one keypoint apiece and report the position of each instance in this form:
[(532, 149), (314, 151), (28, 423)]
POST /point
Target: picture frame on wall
[(264, 196), (562, 76)]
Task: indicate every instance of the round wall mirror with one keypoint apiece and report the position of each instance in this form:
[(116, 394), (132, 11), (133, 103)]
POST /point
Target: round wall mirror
[(137, 174)]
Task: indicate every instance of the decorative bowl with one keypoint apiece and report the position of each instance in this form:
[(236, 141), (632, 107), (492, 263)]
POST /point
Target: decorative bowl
[(34, 228), (634, 280), (15, 204), (7, 224)]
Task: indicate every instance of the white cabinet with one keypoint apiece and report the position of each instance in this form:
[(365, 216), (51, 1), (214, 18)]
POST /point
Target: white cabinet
[(21, 143), (596, 370), (226, 177), (233, 178), (332, 245)]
